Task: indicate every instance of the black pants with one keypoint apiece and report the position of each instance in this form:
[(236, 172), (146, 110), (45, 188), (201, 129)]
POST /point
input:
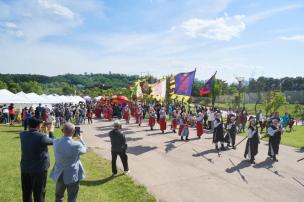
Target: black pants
[(124, 159), (209, 125), (33, 183), (71, 188)]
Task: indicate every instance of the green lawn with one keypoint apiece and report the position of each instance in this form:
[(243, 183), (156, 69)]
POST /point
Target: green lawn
[(294, 138), (97, 186), (250, 108)]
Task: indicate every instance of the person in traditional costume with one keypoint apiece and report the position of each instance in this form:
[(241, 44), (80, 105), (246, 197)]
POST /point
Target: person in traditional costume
[(185, 130), (231, 131), (110, 112), (174, 121), (162, 120), (180, 119), (140, 115), (126, 114), (274, 132), (199, 125), (136, 108), (218, 132), (152, 116), (253, 141)]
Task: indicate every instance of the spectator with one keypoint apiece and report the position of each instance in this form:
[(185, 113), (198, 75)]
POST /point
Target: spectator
[(5, 113), (119, 148), (11, 113), (68, 171), (34, 161)]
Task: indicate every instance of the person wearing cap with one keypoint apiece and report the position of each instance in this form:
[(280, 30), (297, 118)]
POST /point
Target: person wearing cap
[(35, 161), (253, 140), (274, 132), (118, 148), (199, 125), (231, 131), (218, 133)]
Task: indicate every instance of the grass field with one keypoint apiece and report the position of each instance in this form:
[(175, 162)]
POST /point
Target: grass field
[(250, 108), (97, 186), (294, 138)]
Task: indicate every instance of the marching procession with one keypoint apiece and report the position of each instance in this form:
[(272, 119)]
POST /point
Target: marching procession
[(224, 125)]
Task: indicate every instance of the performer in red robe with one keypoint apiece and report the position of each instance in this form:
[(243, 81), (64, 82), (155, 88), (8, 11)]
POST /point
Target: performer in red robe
[(174, 121), (152, 118), (126, 114), (162, 120), (199, 125), (110, 113), (181, 124)]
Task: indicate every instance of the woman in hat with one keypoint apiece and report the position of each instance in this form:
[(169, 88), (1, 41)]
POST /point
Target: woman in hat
[(253, 140)]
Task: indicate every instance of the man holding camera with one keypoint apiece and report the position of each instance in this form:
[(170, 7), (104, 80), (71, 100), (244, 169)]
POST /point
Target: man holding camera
[(68, 170), (34, 161)]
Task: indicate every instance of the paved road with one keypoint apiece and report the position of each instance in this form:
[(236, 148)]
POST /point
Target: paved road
[(175, 171)]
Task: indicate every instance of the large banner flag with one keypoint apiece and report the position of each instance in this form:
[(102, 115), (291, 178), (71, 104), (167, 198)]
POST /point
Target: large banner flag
[(208, 86), (159, 89), (137, 90), (184, 83)]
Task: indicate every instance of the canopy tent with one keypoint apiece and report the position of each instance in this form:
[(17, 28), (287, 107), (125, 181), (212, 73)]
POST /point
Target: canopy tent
[(35, 99), (25, 97), (7, 97)]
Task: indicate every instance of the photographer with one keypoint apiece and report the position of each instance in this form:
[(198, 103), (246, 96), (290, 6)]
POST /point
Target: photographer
[(34, 161), (68, 171)]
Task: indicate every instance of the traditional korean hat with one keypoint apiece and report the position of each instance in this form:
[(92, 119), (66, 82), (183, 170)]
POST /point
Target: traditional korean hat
[(251, 118)]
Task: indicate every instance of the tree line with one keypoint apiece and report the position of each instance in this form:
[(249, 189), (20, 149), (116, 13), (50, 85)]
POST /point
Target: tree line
[(97, 84)]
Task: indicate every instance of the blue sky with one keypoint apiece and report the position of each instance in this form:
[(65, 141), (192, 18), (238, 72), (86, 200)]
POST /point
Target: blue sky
[(235, 37)]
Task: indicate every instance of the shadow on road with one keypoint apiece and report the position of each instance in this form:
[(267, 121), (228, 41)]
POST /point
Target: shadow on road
[(197, 154), (98, 182), (138, 150), (243, 164), (269, 165)]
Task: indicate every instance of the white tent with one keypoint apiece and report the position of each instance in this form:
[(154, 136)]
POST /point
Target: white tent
[(26, 99), (34, 98), (7, 97)]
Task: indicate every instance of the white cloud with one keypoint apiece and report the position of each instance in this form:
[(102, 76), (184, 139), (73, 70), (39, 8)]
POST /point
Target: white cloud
[(299, 38), (11, 28), (223, 28), (57, 9)]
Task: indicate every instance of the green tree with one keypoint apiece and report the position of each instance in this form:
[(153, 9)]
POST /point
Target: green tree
[(216, 90), (3, 85), (13, 87), (32, 86), (274, 100)]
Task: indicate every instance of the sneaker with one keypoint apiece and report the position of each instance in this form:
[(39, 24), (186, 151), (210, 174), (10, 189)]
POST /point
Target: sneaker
[(252, 161), (127, 172), (114, 174)]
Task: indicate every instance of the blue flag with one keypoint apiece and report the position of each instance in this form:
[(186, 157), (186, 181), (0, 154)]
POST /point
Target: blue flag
[(184, 83), (208, 86)]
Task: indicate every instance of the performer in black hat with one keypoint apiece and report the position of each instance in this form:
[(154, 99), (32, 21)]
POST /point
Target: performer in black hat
[(274, 132), (253, 140), (218, 133), (231, 131)]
